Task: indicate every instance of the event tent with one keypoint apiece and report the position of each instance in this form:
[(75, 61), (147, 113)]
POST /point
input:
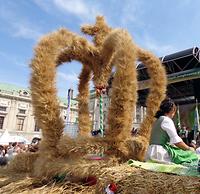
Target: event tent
[(6, 138)]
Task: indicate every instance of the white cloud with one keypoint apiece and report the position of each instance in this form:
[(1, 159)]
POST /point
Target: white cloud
[(19, 27), (79, 8), (22, 64), (158, 48), (66, 81), (25, 31), (130, 12), (72, 77), (43, 4), (75, 7), (14, 60)]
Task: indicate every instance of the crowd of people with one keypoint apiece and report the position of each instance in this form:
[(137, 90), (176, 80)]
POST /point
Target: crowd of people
[(189, 137), (8, 152)]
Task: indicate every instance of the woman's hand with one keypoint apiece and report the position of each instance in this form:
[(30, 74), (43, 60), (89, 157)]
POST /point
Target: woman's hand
[(191, 149), (183, 146)]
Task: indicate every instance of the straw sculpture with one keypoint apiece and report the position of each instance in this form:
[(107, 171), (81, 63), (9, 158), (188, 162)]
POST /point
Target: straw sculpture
[(111, 47)]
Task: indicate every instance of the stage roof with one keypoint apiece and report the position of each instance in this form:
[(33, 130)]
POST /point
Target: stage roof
[(183, 71)]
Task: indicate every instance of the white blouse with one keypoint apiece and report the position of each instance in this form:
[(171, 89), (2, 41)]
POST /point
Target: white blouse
[(168, 126), (156, 152)]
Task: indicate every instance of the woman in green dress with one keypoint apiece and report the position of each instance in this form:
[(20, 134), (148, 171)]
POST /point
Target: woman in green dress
[(165, 144)]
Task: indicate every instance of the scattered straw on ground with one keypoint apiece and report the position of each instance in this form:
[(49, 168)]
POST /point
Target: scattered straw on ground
[(128, 179)]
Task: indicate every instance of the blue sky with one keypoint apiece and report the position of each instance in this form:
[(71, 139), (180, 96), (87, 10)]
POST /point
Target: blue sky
[(162, 26)]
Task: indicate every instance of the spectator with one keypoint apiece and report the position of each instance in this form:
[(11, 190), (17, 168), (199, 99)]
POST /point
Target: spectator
[(190, 136), (193, 144), (2, 151), (3, 161), (198, 139), (134, 131), (11, 151), (184, 134), (34, 144)]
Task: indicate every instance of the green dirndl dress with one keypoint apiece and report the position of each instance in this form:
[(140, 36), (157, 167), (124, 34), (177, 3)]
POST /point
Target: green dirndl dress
[(179, 156)]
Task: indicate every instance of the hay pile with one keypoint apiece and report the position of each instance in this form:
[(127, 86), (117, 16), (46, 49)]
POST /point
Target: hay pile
[(128, 180)]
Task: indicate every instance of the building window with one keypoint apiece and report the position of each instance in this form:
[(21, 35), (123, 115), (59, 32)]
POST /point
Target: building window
[(22, 111), (138, 114), (20, 123), (3, 108), (36, 129), (1, 122)]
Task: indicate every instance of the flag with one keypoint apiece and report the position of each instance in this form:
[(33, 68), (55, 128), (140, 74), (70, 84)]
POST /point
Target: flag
[(69, 98), (196, 126), (68, 104), (178, 119), (101, 115)]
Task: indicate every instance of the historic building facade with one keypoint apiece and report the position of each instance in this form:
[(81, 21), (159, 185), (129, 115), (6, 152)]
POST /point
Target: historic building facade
[(16, 111), (138, 114)]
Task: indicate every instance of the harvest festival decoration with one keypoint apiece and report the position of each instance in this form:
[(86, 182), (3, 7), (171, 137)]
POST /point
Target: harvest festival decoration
[(59, 154), (111, 47)]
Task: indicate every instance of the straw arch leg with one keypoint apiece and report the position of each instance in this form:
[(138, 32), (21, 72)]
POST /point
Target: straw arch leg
[(158, 84), (83, 98)]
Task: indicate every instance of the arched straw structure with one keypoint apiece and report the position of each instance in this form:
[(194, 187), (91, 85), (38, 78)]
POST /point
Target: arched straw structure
[(111, 47)]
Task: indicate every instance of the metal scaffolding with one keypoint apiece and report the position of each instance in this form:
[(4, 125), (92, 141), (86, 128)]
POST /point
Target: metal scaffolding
[(183, 72)]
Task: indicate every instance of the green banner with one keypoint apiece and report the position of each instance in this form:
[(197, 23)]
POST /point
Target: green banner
[(186, 75), (175, 77)]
